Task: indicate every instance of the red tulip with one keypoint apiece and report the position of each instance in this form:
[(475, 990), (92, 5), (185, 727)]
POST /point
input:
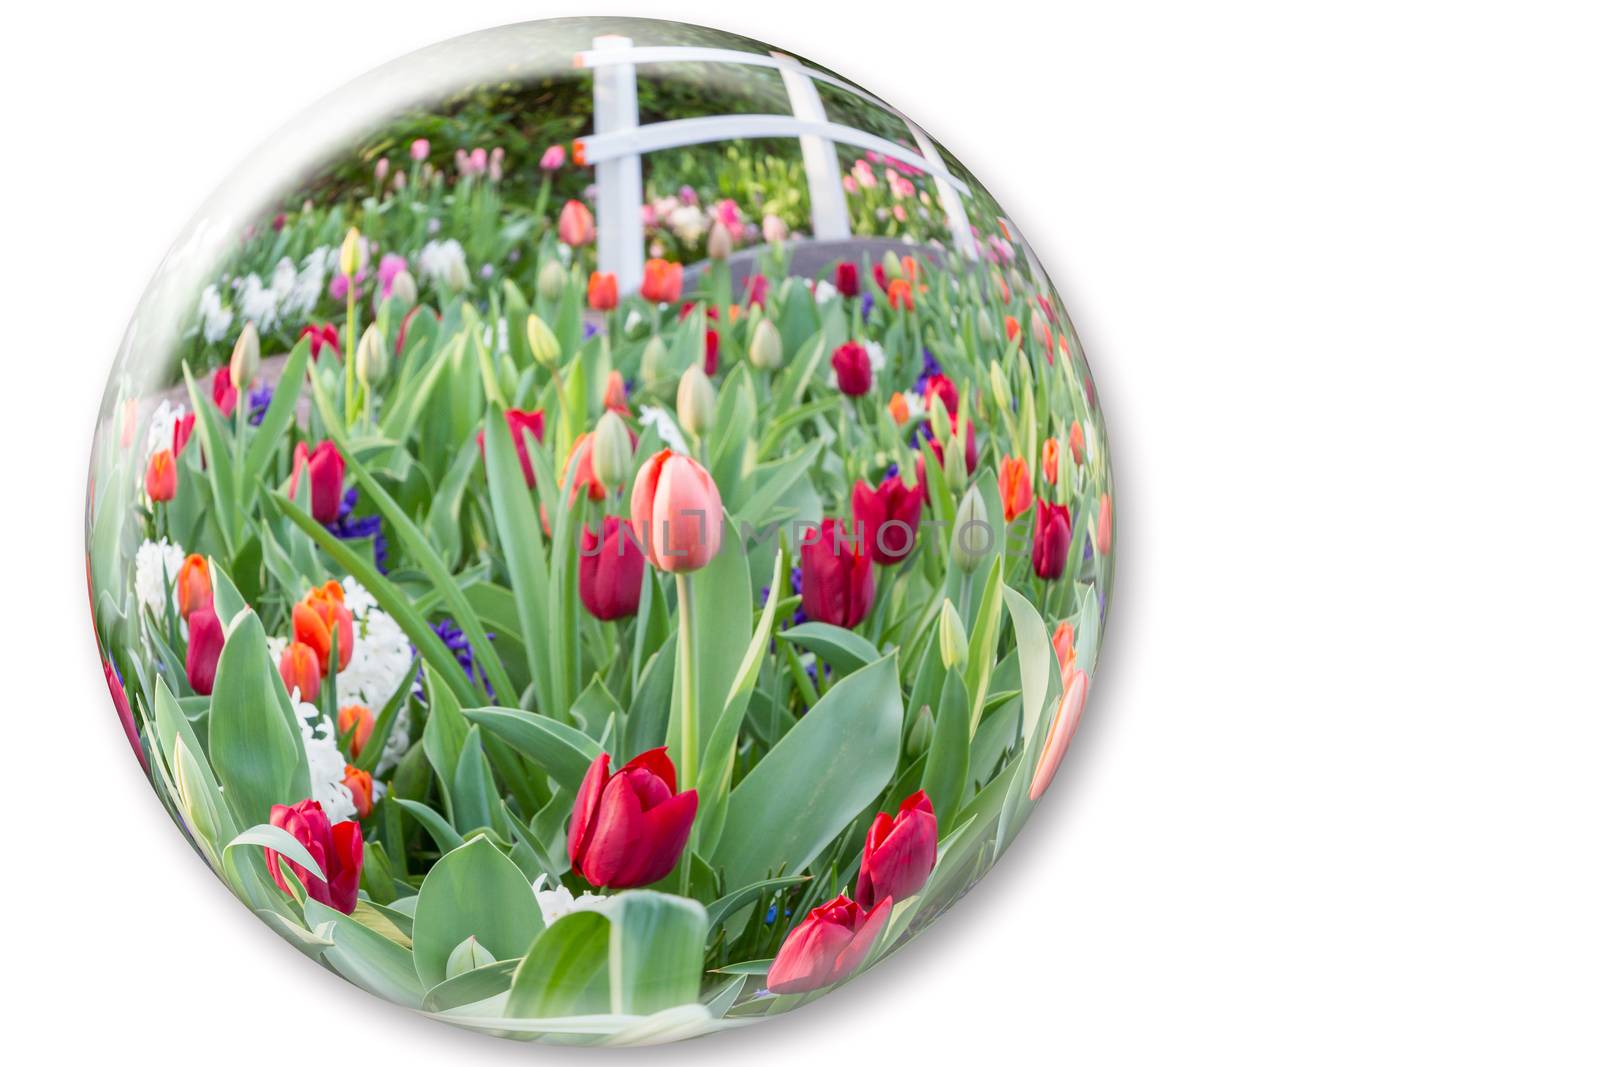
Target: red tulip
[(1016, 486), (827, 946), (336, 848), (880, 276), (193, 585), (576, 224), (899, 852), (161, 476), (835, 576), (663, 281), (887, 517), (223, 394), (318, 617), (610, 571), (298, 668), (755, 290), (602, 290), (181, 431), (517, 422), (1052, 537), (713, 344), (1102, 529), (847, 279), (677, 513), (322, 337), (853, 368), (939, 387), (629, 828), (327, 478), (205, 648)]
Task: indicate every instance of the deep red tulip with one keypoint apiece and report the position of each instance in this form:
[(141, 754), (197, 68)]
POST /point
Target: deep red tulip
[(322, 337), (847, 279), (887, 517), (899, 852), (223, 394), (205, 648), (327, 478), (853, 368), (713, 344), (629, 828), (182, 429), (1052, 537), (663, 281), (880, 276), (318, 617), (827, 946), (941, 388), (835, 576), (677, 513), (610, 570), (336, 848), (161, 476)]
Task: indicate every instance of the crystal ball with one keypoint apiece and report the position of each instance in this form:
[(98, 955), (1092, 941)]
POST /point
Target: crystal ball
[(600, 532)]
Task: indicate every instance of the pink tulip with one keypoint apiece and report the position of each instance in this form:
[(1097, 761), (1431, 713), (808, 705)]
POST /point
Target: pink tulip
[(554, 158), (575, 227), (677, 513), (205, 648), (420, 149)]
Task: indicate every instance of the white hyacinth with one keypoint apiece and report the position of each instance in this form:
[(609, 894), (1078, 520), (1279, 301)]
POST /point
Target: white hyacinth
[(215, 319), (379, 664), (325, 761), (558, 901), (159, 435), (155, 566), (666, 429), (440, 260)]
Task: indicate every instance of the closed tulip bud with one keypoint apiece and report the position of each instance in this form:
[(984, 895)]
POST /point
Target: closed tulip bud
[(677, 513), (325, 467), (766, 346), (161, 476), (697, 401), (972, 535), (899, 852), (337, 848), (467, 956), (952, 638), (888, 517), (602, 291), (774, 229), (320, 619), (955, 469), (719, 245), (1050, 460), (192, 586), (1000, 386), (350, 253), (1016, 486), (853, 368), (456, 278), (372, 357), (1052, 538), (835, 576), (985, 328), (542, 342), (920, 739), (403, 290), (653, 363), (196, 796), (552, 279), (629, 828), (575, 226), (359, 782), (610, 571), (205, 648), (245, 363), (847, 279), (356, 721), (297, 666), (827, 946), (891, 266), (1102, 528), (611, 452)]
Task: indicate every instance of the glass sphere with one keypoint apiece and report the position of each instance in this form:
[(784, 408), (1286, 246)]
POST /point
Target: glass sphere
[(600, 531)]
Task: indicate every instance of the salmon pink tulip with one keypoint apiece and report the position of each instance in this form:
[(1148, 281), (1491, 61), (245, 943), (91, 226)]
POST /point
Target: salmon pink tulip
[(677, 513), (1069, 710), (602, 291), (575, 227)]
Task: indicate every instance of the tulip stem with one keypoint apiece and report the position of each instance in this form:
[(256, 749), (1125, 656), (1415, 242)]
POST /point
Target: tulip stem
[(688, 684)]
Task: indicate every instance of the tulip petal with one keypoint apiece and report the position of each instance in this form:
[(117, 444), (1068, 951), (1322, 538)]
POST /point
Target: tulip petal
[(665, 832), (1062, 727), (588, 804), (809, 955), (866, 935), (617, 831), (658, 763)]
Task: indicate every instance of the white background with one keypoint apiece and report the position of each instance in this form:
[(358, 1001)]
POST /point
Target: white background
[(1338, 272)]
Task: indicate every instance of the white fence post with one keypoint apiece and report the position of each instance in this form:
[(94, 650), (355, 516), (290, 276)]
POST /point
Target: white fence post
[(830, 218), (619, 183), (955, 212)]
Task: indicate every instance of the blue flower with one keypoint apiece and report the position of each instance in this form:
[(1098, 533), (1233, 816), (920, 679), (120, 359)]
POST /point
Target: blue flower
[(457, 643), (260, 399), (348, 528)]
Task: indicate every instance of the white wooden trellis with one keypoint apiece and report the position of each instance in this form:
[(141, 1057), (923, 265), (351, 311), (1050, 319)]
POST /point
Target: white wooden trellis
[(615, 148)]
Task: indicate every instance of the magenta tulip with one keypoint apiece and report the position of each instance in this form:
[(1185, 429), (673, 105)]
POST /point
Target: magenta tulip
[(628, 829), (835, 575), (830, 943), (853, 369), (610, 570), (205, 648), (899, 853), (336, 848)]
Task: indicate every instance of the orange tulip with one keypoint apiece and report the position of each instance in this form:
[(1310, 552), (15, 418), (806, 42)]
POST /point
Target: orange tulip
[(583, 454), (1013, 327), (900, 295), (356, 717), (359, 783), (319, 617), (663, 281), (899, 410), (602, 291), (1075, 442), (677, 513), (1016, 487), (616, 394), (908, 267), (1051, 460), (161, 476), (193, 585), (298, 669)]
